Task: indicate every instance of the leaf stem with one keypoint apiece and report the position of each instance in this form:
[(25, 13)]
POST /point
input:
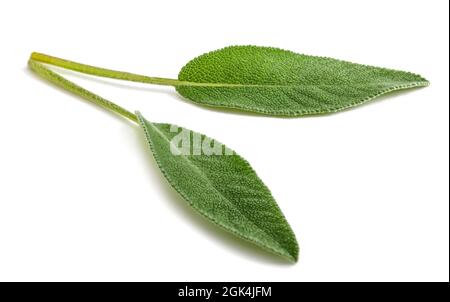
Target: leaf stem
[(55, 78), (103, 72)]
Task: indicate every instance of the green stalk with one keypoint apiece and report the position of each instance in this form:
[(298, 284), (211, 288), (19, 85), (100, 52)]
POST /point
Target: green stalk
[(122, 75), (103, 72), (60, 81)]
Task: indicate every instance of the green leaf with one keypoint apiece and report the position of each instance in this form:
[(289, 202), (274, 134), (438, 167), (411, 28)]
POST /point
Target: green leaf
[(221, 186), (280, 82), (268, 80)]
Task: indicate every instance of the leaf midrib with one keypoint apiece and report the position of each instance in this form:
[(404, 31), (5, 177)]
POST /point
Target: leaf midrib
[(231, 85)]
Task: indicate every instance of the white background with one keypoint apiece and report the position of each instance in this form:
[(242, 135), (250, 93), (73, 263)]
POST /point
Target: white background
[(81, 199)]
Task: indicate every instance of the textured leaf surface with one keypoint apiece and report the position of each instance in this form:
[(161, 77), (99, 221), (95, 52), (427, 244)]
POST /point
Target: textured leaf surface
[(225, 189), (279, 82)]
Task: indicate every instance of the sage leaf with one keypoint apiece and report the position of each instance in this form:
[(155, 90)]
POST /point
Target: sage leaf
[(268, 80), (224, 188), (213, 179), (280, 82)]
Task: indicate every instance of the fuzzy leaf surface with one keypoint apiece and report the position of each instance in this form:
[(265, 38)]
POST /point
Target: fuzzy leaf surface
[(224, 189), (279, 82)]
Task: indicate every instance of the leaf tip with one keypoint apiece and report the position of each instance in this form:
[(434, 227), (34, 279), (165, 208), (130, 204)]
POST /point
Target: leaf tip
[(295, 255)]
